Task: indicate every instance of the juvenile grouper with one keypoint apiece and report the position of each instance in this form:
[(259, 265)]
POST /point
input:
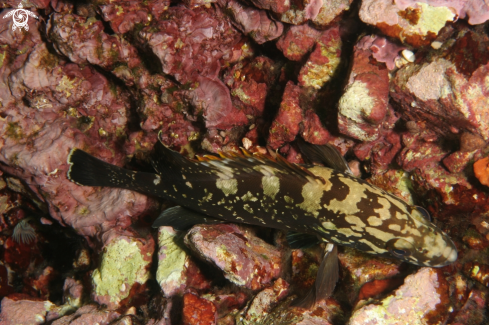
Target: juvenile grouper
[(253, 189)]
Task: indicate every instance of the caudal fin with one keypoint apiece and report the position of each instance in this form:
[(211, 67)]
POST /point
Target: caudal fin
[(87, 170)]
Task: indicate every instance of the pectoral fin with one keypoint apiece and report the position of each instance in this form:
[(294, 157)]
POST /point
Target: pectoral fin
[(299, 240), (181, 218), (326, 279), (324, 154)]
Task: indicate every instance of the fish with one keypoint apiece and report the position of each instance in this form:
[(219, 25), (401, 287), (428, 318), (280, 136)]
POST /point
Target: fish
[(310, 202)]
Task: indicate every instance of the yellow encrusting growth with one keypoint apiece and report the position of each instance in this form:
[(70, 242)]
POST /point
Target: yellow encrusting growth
[(122, 266)]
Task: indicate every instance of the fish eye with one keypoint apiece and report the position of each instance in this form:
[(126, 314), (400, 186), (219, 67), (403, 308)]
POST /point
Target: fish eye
[(400, 248), (423, 212), (400, 252)]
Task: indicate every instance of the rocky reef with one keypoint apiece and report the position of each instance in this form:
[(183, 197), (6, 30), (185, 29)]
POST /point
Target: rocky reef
[(401, 88)]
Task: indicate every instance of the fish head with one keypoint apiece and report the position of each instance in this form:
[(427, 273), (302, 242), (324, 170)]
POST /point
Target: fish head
[(427, 245)]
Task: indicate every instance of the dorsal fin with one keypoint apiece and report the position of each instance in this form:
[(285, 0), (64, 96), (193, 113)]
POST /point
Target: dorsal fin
[(167, 161), (325, 154)]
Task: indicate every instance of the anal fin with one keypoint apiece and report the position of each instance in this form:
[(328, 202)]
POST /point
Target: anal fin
[(328, 274), (181, 218)]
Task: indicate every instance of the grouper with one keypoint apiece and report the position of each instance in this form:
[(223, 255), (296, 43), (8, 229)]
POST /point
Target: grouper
[(308, 201)]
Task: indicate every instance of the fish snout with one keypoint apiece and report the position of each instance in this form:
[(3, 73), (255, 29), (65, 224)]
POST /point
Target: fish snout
[(448, 255)]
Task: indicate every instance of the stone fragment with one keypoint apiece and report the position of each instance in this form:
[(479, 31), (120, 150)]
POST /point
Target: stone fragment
[(422, 294), (193, 43), (313, 130), (470, 142), (73, 292), (449, 93), (360, 268), (123, 270), (363, 106), (245, 259), (415, 23), (285, 126), (88, 314), (172, 261), (319, 12), (382, 49), (323, 61), (297, 41), (17, 309), (459, 160), (123, 16), (176, 271), (257, 309), (473, 311), (250, 82), (253, 22), (84, 41), (198, 311), (279, 6)]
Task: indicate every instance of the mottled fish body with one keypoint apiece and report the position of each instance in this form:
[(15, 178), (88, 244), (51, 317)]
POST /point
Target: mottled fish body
[(253, 189)]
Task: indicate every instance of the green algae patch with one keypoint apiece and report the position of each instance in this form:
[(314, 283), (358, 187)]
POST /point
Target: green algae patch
[(172, 263), (123, 264)]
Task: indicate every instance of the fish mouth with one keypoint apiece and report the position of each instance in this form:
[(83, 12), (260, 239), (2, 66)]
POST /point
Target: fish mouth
[(448, 256)]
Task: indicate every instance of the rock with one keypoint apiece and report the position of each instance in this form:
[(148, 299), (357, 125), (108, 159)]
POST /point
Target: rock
[(396, 182), (88, 314), (172, 261), (313, 130), (470, 142), (297, 41), (448, 92), (381, 152), (198, 311), (382, 49), (176, 271), (253, 22), (193, 43), (363, 106), (477, 271), (73, 292), (285, 126), (36, 139), (124, 15), (416, 23), (321, 13), (123, 270), (421, 294), (459, 160), (262, 304), (323, 61), (249, 82), (473, 309), (359, 269), (17, 309), (419, 154), (245, 259), (83, 41)]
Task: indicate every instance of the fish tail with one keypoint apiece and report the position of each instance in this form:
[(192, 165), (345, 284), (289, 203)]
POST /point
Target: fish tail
[(87, 170)]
